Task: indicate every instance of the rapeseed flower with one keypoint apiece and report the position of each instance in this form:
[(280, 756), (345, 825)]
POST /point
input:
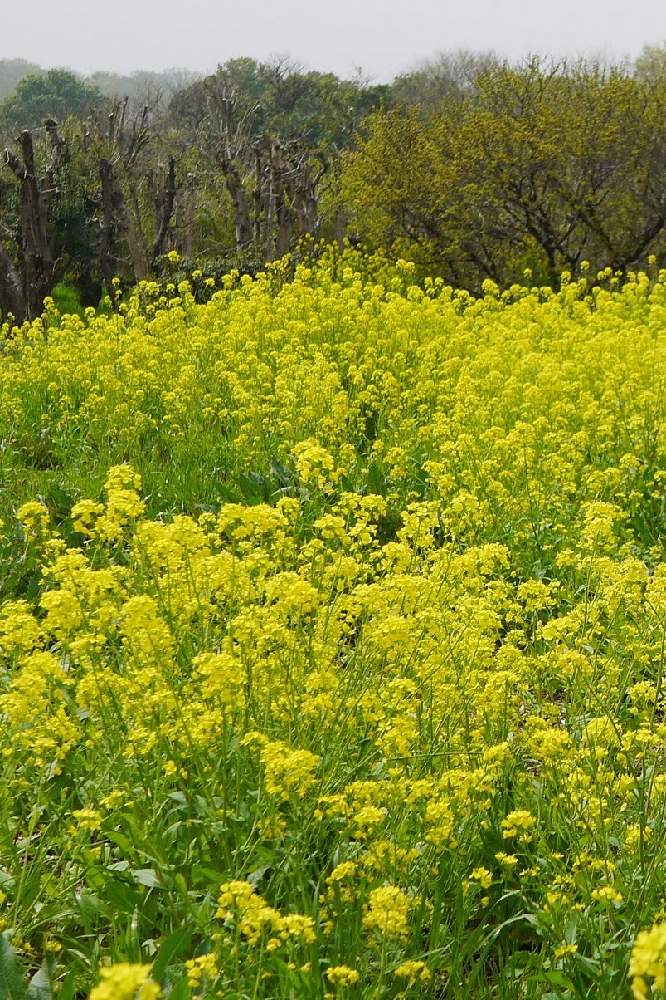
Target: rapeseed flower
[(352, 603)]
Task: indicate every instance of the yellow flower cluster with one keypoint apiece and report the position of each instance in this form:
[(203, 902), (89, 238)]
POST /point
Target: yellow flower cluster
[(343, 604), (342, 975), (387, 911), (239, 901), (648, 962), (126, 982)]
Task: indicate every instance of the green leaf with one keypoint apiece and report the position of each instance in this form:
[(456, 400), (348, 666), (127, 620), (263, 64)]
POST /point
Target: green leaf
[(178, 797), (207, 876), (121, 897), (40, 984), (67, 990), (12, 976), (557, 978), (174, 945), (255, 877), (147, 876), (91, 908), (179, 991), (123, 842)]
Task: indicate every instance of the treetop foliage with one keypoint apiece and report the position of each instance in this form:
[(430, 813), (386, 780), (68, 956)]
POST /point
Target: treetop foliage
[(540, 166), (12, 71), (470, 166), (56, 93), (318, 109)]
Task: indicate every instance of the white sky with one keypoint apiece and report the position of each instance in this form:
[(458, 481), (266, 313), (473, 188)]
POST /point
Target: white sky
[(383, 37)]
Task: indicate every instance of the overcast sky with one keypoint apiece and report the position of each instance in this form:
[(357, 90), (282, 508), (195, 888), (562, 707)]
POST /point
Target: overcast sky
[(383, 37)]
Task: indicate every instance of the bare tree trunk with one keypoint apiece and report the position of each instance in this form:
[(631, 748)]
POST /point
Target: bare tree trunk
[(38, 264), (258, 200), (232, 175), (120, 176), (299, 204), (283, 214), (112, 212), (165, 200), (268, 218), (185, 223), (135, 236), (236, 190), (12, 299), (304, 198), (340, 227), (302, 184), (284, 225)]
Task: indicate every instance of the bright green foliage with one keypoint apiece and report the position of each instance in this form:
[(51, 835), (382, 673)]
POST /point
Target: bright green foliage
[(533, 168), (332, 641)]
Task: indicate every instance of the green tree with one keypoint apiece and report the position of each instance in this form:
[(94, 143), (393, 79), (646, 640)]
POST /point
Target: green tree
[(541, 165), (650, 66), (54, 94), (281, 100), (12, 71)]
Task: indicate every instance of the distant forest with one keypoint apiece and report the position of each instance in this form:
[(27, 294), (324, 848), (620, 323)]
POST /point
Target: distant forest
[(474, 168)]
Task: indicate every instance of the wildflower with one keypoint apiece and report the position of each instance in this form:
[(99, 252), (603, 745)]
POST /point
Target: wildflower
[(19, 629), (287, 771), (342, 975), (366, 819), (315, 465), (84, 515), (35, 518), (413, 971), (86, 819), (222, 678), (387, 911), (298, 927), (239, 901), (343, 871), (566, 950), (125, 982), (647, 966), (483, 877), (507, 860), (200, 969), (518, 824), (607, 894)]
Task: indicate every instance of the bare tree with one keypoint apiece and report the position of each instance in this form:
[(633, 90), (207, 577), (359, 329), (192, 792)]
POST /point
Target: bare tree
[(233, 139), (35, 252), (164, 199), (12, 299), (123, 176)]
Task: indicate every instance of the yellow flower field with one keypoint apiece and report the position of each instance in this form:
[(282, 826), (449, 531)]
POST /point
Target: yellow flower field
[(333, 640)]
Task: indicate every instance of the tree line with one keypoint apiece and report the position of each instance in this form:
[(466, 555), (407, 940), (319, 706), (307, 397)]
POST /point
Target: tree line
[(472, 167)]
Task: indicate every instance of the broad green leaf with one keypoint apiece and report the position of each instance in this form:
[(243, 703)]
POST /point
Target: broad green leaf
[(148, 877), (39, 987), (170, 949), (12, 975)]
